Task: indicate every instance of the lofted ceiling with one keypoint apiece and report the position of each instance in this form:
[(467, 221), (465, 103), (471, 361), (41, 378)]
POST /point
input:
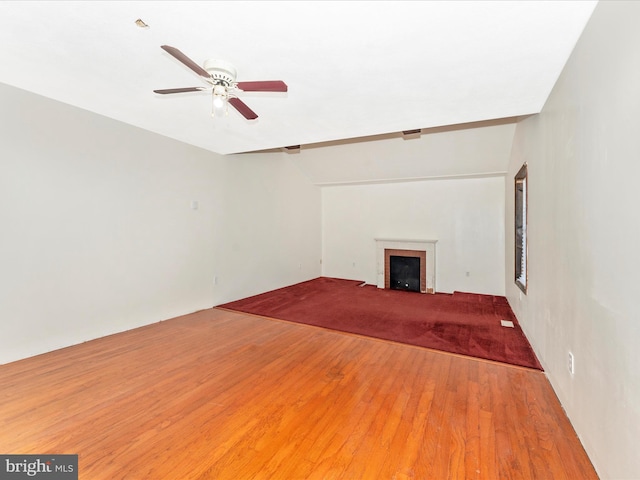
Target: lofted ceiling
[(355, 69)]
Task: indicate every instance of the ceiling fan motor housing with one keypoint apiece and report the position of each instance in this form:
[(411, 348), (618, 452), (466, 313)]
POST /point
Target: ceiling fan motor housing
[(222, 73)]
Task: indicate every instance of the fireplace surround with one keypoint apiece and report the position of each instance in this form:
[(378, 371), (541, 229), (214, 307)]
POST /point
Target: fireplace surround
[(424, 249)]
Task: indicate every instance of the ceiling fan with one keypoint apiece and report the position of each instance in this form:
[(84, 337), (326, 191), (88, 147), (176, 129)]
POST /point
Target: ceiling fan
[(221, 76)]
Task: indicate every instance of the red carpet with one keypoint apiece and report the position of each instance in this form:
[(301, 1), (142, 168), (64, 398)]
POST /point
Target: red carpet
[(463, 323)]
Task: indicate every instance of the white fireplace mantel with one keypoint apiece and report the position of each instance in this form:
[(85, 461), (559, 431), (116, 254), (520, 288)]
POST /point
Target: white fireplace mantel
[(428, 246)]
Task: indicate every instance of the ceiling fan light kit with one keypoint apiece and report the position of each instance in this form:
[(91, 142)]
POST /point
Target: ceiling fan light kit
[(221, 76), (223, 79), (219, 101)]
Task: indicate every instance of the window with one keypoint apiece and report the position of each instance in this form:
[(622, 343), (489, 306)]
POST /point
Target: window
[(521, 228)]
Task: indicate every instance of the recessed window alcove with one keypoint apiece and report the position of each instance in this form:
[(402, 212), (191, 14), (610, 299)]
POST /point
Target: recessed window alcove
[(408, 253), (521, 229)]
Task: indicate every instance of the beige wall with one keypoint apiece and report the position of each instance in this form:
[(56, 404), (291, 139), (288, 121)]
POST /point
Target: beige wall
[(583, 154), (458, 151), (98, 234)]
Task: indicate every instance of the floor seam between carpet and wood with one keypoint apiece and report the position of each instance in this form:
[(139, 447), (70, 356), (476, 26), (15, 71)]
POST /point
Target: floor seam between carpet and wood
[(461, 323), (376, 339)]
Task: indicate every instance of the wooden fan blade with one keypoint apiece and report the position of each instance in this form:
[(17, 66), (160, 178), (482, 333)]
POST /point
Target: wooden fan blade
[(266, 86), (186, 60), (180, 90), (242, 107)]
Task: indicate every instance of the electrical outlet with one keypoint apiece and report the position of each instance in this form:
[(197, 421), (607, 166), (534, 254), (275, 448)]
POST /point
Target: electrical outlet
[(571, 364)]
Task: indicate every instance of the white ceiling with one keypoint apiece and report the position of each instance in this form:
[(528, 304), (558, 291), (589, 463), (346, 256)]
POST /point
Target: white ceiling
[(354, 69)]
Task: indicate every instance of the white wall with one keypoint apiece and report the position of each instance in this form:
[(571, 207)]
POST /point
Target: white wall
[(465, 216), (583, 154), (98, 234), (267, 225)]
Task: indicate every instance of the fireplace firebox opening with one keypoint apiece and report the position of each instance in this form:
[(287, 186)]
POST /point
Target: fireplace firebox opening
[(404, 273)]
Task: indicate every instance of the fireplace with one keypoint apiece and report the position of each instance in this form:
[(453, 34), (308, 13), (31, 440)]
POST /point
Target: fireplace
[(410, 253)]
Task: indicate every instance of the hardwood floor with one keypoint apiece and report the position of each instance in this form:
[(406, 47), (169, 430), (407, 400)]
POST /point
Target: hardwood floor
[(224, 395)]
